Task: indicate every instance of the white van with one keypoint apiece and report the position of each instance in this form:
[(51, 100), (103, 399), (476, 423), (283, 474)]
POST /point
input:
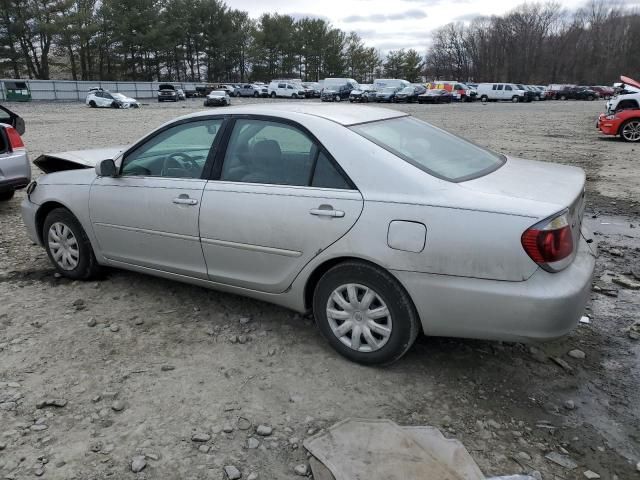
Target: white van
[(281, 88), (501, 91)]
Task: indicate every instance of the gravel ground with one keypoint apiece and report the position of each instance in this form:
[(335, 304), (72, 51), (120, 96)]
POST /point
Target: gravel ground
[(135, 372)]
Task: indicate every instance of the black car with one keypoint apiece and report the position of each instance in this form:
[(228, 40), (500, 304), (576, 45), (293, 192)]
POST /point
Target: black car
[(410, 94), (363, 94), (529, 96), (336, 93), (436, 95), (167, 93), (576, 93), (387, 94)]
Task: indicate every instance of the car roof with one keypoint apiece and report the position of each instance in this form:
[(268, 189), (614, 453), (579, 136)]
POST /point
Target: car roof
[(342, 114)]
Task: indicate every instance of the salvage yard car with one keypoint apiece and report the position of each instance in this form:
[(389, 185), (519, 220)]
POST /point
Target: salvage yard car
[(217, 98), (435, 95), (15, 170), (284, 203), (104, 98), (363, 94)]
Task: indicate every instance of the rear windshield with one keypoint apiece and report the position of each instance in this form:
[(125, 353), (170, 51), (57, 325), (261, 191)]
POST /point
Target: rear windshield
[(435, 151)]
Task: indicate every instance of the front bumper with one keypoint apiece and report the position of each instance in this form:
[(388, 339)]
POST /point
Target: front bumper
[(29, 210), (543, 307), (608, 127)]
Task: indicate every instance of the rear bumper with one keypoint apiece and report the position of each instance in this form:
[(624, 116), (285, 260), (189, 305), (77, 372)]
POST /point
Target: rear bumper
[(15, 171), (545, 306)]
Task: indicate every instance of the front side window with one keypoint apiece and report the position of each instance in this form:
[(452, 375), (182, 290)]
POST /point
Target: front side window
[(178, 152), (508, 87), (430, 149), (500, 87)]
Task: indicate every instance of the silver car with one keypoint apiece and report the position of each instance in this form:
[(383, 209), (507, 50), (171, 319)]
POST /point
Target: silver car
[(15, 169), (380, 224)]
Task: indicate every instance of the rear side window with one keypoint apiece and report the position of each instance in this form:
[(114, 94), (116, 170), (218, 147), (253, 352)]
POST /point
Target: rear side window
[(430, 149), (500, 87), (327, 176)]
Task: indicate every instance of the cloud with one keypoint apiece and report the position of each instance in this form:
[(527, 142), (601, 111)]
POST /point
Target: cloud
[(412, 14), (313, 16), (467, 17)]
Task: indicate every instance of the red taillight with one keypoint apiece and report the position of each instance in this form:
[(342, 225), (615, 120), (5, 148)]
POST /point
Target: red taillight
[(549, 242), (15, 141)]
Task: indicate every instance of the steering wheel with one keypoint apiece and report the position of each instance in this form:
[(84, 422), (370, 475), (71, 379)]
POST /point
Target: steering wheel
[(179, 160)]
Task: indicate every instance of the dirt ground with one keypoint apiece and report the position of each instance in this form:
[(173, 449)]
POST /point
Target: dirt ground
[(142, 364)]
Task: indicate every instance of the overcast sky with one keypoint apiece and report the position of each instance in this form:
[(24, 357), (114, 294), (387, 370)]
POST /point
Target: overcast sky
[(386, 24)]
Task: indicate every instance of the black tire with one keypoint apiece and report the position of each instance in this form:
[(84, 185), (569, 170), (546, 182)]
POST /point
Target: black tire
[(114, 105), (256, 94), (337, 98), (87, 266), (7, 195), (294, 96), (92, 104), (484, 99), (273, 94), (563, 97), (405, 322), (515, 99)]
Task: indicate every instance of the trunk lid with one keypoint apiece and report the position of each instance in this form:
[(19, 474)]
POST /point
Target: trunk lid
[(555, 185)]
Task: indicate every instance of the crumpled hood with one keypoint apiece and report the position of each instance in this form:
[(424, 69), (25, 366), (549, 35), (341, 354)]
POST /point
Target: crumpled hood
[(73, 160)]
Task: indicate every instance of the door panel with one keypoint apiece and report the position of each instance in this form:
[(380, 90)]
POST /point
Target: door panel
[(260, 236), (149, 222)]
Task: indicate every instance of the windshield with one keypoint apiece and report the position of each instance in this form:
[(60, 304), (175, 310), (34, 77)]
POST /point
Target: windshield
[(119, 96), (435, 151), (217, 94), (407, 90)]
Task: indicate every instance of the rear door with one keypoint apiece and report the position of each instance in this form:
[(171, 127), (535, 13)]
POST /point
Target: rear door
[(276, 201), (148, 215)]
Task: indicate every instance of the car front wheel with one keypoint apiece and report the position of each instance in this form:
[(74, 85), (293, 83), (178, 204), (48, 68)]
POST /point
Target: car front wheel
[(68, 246), (630, 130), (364, 313)]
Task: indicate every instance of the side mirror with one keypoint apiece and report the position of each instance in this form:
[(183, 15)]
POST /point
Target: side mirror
[(106, 168)]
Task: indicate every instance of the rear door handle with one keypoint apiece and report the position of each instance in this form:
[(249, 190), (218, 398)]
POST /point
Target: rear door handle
[(183, 199), (326, 212)]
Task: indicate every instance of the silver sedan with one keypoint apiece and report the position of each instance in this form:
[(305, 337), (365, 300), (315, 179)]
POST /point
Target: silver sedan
[(380, 224)]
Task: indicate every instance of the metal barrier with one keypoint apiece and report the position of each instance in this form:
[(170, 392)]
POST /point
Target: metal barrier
[(71, 90)]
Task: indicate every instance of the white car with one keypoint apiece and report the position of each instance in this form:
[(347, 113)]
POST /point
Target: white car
[(501, 91), (217, 98), (104, 98), (280, 88)]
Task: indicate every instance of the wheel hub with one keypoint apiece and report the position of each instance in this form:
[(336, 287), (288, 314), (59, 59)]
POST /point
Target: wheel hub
[(359, 317)]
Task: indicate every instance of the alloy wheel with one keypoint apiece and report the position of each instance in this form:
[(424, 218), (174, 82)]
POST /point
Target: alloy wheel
[(359, 318), (631, 131), (63, 246)]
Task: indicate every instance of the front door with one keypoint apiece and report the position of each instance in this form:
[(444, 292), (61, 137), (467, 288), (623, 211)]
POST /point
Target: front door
[(279, 200), (148, 215)]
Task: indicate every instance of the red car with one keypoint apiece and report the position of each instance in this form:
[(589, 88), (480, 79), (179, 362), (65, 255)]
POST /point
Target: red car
[(625, 123)]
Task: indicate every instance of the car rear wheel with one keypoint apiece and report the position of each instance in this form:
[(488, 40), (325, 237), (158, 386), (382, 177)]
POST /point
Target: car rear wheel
[(255, 94), (630, 130), (365, 314), (273, 94), (337, 98), (68, 246), (484, 99), (515, 99)]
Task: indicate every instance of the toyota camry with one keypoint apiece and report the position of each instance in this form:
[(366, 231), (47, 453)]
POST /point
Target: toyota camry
[(381, 225)]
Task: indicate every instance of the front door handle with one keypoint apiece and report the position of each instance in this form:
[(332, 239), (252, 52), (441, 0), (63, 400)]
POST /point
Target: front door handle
[(183, 199), (326, 211)]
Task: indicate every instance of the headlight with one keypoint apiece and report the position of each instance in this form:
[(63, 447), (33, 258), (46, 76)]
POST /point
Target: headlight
[(611, 117)]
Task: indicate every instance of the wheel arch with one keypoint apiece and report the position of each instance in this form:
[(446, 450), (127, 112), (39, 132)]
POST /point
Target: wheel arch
[(325, 266), (44, 210)]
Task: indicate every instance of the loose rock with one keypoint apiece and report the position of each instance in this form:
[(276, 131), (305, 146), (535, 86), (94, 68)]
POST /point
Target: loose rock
[(117, 406), (579, 354), (302, 469), (569, 405), (200, 437), (252, 476), (252, 443), (264, 430), (51, 402), (232, 472), (91, 322), (138, 463), (562, 460), (591, 475), (626, 283), (114, 327)]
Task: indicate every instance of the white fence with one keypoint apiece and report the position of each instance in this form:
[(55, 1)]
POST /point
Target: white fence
[(69, 90)]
